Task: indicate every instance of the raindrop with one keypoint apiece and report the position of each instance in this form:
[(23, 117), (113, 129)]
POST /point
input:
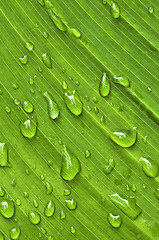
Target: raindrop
[(72, 230), (45, 35), (76, 32), (149, 89), (28, 106), (2, 191), (29, 46), (89, 108), (127, 187), (151, 9), (34, 217), (49, 163), (115, 10), (70, 165), (66, 192), (24, 59), (40, 69), (49, 209), (18, 202), (32, 90), (4, 162), (71, 204), (133, 188), (115, 221), (143, 186), (31, 81), (102, 119), (42, 177), (8, 110), (96, 110), (53, 109), (15, 232), (16, 101), (156, 193), (95, 100), (28, 127), (77, 83), (62, 215), (63, 70), (122, 80), (26, 194), (125, 138), (47, 60), (7, 208), (57, 20), (145, 139), (43, 230), (87, 98), (64, 85), (150, 167), (15, 86), (104, 86), (35, 203), (109, 167), (121, 107), (87, 153), (49, 188), (41, 2), (73, 103), (13, 183), (27, 172)]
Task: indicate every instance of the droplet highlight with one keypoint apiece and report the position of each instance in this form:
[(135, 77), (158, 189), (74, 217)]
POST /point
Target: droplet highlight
[(49, 188), (29, 46), (28, 106), (24, 60)]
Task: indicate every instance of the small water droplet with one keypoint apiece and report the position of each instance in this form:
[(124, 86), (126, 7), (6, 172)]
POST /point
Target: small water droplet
[(13, 183), (32, 90), (2, 236), (2, 191), (115, 221), (122, 80), (76, 32), (127, 187), (87, 153), (133, 188), (36, 25), (40, 69), (49, 163), (47, 60), (150, 167), (53, 109), (4, 161), (145, 139), (16, 101), (151, 9), (125, 138), (104, 2), (95, 100), (27, 172), (18, 202), (45, 35), (43, 230), (86, 97), (66, 192), (104, 86), (102, 119), (28, 106), (62, 215), (73, 103), (24, 59), (109, 167), (8, 110), (77, 83), (31, 81), (96, 110), (42, 177), (15, 232), (89, 108), (35, 203), (7, 208), (51, 238), (49, 188), (34, 217), (149, 89), (29, 46), (41, 2), (70, 165), (115, 10), (64, 85), (72, 230), (28, 127), (143, 186), (49, 209), (57, 20), (156, 193), (70, 78), (15, 86), (103, 199), (34, 166), (25, 194), (71, 204)]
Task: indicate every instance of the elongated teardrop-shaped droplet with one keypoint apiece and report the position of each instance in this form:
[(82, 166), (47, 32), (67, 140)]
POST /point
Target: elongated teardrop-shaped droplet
[(24, 59), (62, 215), (28, 128), (150, 167), (115, 221), (2, 191), (48, 4), (29, 46), (73, 103), (7, 208), (72, 230), (71, 204), (57, 20), (41, 2), (104, 86), (49, 209), (127, 205), (15, 232), (2, 236), (122, 80), (70, 165), (49, 188), (53, 109), (87, 153), (156, 193), (34, 217), (109, 167), (115, 10), (47, 60), (28, 106), (4, 162), (35, 203), (125, 138), (76, 32)]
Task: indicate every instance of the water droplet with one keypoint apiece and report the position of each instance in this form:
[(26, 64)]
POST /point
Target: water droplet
[(95, 100), (72, 230), (7, 208), (145, 139), (115, 221), (53, 109), (47, 60), (45, 35), (64, 85), (41, 2), (51, 238), (125, 138), (26, 194), (8, 110), (28, 128), (49, 188), (2, 236), (2, 191), (104, 86), (133, 188), (87, 98), (121, 107), (127, 205), (104, 2), (88, 177), (27, 172), (115, 10), (35, 203), (57, 20), (28, 106), (62, 215), (71, 204), (18, 202), (150, 167), (40, 69), (48, 4), (29, 46), (42, 177), (4, 162), (87, 153), (49, 209), (143, 186), (31, 81), (15, 232), (13, 183), (16, 101), (70, 165), (34, 217), (15, 86), (109, 167), (24, 59), (151, 9), (76, 32), (156, 193), (89, 108), (102, 119), (96, 110), (127, 187), (49, 163), (66, 192), (43, 230), (122, 80), (73, 103), (32, 90), (63, 70), (149, 89)]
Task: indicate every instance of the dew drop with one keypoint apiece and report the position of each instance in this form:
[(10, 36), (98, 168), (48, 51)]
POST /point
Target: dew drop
[(18, 202), (151, 9), (35, 203), (86, 97), (8, 109), (145, 139), (150, 167), (48, 4), (28, 127), (16, 101), (49, 188), (24, 59), (2, 191), (32, 90), (34, 217), (53, 109), (72, 230), (13, 183), (47, 60), (109, 167), (15, 86), (122, 80), (45, 35), (104, 86), (121, 107), (115, 221), (96, 110), (49, 209), (64, 85), (89, 108), (31, 81), (125, 138), (40, 69), (15, 232), (51, 238), (115, 10), (28, 106), (7, 208), (71, 204), (76, 32), (66, 192), (143, 186), (29, 46), (87, 153), (26, 194), (73, 103), (127, 187), (95, 100), (70, 165), (4, 161), (42, 177), (41, 2), (27, 172), (43, 230), (2, 236), (62, 215), (156, 193), (102, 119), (133, 188), (49, 163), (57, 20)]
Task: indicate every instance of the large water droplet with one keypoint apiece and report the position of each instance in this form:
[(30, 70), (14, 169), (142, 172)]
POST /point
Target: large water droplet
[(4, 162), (62, 215), (71, 204), (47, 60), (57, 20), (29, 46), (28, 127), (2, 236), (122, 80), (41, 2), (109, 167), (15, 232), (28, 106), (2, 191), (156, 193), (127, 205), (24, 59), (150, 167), (49, 209), (76, 32), (49, 188), (115, 221), (52, 106), (115, 10), (70, 165), (104, 86), (125, 138), (73, 103), (34, 217), (7, 208)]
